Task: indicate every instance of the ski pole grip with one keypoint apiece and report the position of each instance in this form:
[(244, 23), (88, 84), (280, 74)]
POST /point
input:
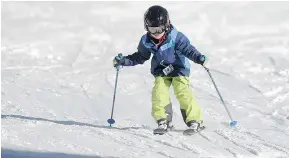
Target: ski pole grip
[(119, 57)]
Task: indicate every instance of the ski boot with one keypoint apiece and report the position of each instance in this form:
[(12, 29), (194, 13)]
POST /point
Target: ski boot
[(170, 125), (163, 126), (194, 127)]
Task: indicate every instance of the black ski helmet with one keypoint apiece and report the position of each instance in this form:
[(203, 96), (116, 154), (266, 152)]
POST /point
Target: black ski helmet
[(156, 16)]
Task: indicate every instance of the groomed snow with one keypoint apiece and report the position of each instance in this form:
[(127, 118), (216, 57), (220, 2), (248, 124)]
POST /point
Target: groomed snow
[(58, 80)]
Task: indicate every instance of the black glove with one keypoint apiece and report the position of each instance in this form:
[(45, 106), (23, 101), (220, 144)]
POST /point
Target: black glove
[(118, 60), (202, 59)]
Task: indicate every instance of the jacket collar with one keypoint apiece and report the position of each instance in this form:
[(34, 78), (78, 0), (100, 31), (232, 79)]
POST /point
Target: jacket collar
[(165, 39)]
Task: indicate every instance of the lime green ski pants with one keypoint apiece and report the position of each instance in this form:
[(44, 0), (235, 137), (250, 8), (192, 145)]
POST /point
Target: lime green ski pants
[(190, 109)]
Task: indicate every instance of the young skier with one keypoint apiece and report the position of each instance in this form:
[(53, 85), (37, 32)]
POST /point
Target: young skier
[(171, 50)]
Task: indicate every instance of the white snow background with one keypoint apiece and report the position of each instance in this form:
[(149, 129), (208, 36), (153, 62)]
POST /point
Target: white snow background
[(57, 80)]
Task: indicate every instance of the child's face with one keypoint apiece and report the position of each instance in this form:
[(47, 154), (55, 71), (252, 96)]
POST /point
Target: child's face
[(158, 36)]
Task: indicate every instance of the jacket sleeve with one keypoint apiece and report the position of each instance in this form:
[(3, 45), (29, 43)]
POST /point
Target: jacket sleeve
[(183, 45), (143, 54)]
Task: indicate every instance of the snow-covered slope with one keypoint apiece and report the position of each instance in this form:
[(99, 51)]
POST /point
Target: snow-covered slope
[(58, 80)]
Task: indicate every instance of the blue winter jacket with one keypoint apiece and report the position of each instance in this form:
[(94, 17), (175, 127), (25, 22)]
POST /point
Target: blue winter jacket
[(175, 50)]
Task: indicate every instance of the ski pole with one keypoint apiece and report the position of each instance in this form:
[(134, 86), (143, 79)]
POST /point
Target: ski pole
[(111, 120), (233, 123)]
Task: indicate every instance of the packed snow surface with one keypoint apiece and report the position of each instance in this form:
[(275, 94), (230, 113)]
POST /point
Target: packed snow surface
[(58, 80)]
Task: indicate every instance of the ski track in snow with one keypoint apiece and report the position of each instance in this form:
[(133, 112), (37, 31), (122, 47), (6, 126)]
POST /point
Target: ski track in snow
[(58, 80)]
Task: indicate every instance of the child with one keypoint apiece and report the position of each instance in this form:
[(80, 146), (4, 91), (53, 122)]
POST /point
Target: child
[(169, 66)]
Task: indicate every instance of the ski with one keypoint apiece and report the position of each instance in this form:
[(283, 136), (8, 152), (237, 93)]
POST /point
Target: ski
[(186, 132), (160, 131)]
